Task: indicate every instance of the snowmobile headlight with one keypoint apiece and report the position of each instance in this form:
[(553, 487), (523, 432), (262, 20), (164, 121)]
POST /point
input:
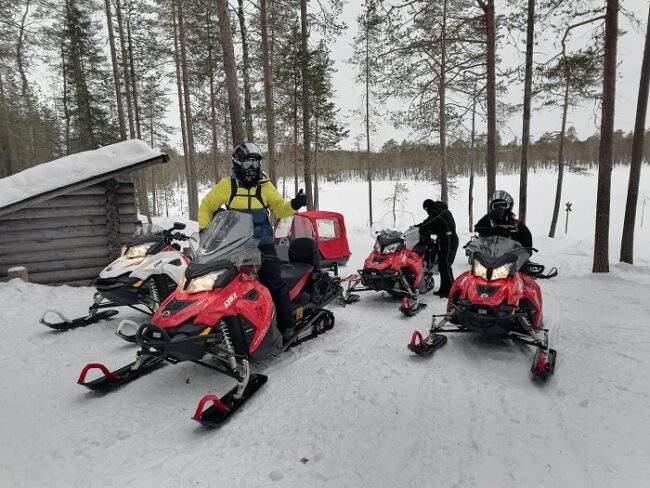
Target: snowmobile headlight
[(391, 248), (479, 270), (205, 282), (501, 272), (135, 252)]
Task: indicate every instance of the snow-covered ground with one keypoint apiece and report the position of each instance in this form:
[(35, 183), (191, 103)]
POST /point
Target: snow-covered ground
[(354, 408)]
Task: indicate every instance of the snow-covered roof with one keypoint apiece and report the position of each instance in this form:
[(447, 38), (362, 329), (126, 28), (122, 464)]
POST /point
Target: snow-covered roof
[(72, 172)]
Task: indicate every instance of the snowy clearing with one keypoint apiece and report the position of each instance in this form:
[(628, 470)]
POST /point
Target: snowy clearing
[(354, 408)]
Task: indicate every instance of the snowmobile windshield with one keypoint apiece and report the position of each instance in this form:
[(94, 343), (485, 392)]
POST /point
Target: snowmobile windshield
[(145, 233), (229, 237), (389, 242), (495, 251), (411, 237)]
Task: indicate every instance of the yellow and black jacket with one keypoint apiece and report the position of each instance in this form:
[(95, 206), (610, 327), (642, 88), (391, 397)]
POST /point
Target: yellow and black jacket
[(256, 200)]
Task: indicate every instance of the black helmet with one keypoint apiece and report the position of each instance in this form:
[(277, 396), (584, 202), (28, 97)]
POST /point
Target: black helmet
[(247, 162), (434, 207), (500, 206)]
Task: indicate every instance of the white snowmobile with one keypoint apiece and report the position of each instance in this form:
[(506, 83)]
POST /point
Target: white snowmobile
[(149, 268)]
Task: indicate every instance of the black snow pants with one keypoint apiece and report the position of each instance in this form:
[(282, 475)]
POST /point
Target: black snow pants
[(270, 277), (447, 247)]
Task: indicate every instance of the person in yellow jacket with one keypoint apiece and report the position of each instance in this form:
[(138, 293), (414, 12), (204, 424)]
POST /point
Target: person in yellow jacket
[(249, 190)]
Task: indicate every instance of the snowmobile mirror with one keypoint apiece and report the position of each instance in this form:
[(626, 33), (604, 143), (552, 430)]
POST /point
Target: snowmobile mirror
[(179, 225)]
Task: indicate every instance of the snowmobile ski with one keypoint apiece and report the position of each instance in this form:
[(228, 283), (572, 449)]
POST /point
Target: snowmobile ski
[(426, 347), (543, 364), (410, 307), (67, 323), (122, 376), (222, 408)]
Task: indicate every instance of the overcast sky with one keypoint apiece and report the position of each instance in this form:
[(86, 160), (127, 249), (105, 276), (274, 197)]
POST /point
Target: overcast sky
[(630, 51)]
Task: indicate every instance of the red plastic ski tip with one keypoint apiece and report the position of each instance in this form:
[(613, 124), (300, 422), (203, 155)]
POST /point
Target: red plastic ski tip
[(104, 369), (417, 335), (209, 398), (541, 363)]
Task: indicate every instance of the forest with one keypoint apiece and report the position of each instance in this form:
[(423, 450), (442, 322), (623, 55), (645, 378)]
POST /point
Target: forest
[(79, 74)]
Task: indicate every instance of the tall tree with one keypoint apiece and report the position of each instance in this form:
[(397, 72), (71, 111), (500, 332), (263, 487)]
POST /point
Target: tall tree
[(306, 109), (269, 110), (605, 154), (193, 200), (569, 81), (116, 71), (525, 136), (491, 156), (248, 110), (230, 67), (627, 239)]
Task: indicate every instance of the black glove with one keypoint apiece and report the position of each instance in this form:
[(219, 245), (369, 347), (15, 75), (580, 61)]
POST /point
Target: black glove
[(299, 201)]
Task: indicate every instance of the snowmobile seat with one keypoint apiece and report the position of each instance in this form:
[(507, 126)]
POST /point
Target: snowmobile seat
[(304, 250), (303, 258)]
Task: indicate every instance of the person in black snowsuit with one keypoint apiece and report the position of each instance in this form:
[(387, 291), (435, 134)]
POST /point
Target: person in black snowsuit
[(500, 220), (440, 222)]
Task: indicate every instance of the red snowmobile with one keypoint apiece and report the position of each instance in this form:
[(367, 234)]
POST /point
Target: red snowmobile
[(395, 267), (221, 311), (498, 297)]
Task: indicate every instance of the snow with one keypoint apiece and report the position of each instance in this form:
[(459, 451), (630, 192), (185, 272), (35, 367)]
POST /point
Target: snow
[(354, 408), (71, 169)]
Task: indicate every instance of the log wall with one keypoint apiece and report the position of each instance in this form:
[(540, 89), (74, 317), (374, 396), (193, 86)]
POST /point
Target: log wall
[(70, 238)]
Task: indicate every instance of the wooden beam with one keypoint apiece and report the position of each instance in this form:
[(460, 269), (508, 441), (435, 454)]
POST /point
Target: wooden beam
[(61, 265), (43, 256), (53, 244), (54, 233), (50, 223), (59, 276)]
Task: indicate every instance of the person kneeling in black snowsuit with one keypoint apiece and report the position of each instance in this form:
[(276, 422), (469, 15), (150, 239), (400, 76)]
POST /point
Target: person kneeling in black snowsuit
[(500, 220), (440, 223)]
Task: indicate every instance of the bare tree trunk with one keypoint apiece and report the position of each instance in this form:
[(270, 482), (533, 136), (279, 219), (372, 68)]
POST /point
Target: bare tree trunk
[(472, 162), (491, 159), (444, 189), (24, 88), (306, 136), (192, 194), (5, 138), (66, 111), (125, 68), (179, 87), (134, 85), (560, 156), (627, 239), (295, 135), (605, 154), (248, 109), (369, 168), (116, 72), (213, 99), (230, 67), (316, 121), (525, 137), (267, 61)]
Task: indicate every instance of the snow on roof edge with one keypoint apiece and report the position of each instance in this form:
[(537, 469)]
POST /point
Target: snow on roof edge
[(74, 168)]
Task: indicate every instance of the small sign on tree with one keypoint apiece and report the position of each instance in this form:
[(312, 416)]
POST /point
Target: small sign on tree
[(566, 223)]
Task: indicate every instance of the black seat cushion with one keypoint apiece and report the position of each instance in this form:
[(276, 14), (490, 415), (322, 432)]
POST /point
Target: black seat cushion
[(292, 273), (304, 250)]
